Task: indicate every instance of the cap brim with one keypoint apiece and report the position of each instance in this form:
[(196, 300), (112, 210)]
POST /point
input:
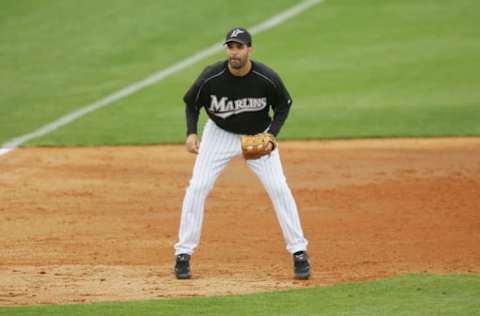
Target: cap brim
[(236, 40)]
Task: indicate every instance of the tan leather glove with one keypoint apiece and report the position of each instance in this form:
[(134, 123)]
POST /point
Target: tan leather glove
[(259, 145)]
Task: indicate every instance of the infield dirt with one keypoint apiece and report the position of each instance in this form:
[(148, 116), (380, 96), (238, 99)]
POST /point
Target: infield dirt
[(99, 224)]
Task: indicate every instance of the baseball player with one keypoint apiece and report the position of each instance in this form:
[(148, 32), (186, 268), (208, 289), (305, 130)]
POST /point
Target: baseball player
[(237, 95)]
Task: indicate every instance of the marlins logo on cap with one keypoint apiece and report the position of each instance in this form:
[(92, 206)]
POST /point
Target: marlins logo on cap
[(239, 35)]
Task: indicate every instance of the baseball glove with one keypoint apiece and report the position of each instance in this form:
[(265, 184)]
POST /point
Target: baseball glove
[(256, 146)]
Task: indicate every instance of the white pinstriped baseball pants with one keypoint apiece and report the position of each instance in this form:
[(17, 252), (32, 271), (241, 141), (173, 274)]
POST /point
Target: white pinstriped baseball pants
[(217, 148)]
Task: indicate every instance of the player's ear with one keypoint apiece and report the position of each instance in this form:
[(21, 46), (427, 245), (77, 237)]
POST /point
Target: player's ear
[(251, 49)]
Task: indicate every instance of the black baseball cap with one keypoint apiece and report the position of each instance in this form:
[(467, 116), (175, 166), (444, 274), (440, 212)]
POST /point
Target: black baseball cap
[(239, 35)]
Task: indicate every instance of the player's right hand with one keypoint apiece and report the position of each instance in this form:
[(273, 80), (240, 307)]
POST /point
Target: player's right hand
[(192, 143)]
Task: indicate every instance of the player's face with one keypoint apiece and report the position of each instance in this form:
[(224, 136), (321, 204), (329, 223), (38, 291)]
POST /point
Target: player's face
[(238, 54)]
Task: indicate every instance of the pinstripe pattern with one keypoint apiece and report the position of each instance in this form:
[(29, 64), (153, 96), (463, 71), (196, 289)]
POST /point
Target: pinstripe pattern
[(270, 172), (217, 148)]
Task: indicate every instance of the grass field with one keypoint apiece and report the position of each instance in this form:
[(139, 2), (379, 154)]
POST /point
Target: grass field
[(355, 69), (411, 295), (371, 68)]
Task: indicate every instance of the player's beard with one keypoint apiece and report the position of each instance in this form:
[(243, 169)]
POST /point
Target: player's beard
[(237, 62)]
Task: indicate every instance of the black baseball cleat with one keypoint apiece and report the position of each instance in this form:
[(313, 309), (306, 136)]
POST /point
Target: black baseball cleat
[(301, 266), (182, 266)]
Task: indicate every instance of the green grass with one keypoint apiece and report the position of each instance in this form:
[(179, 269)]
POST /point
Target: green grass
[(370, 68), (56, 56), (420, 294), (387, 68)]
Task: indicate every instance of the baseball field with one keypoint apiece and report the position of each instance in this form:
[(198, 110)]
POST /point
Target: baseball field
[(381, 150)]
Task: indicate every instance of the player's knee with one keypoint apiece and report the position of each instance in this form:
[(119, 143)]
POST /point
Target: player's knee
[(279, 188), (200, 187)]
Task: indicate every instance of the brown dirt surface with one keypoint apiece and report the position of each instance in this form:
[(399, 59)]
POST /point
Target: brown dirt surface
[(99, 224)]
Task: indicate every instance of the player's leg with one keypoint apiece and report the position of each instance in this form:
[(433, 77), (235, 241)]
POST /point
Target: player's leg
[(270, 172), (217, 148)]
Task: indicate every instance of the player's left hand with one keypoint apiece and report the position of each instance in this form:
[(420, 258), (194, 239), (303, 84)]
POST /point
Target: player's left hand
[(257, 146)]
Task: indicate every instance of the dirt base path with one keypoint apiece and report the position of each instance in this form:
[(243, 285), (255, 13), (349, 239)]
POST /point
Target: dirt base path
[(99, 224)]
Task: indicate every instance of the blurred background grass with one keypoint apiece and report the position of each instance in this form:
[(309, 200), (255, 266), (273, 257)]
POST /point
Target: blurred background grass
[(355, 69)]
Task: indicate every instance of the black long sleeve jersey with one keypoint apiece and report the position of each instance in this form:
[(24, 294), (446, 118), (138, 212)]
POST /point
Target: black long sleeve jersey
[(236, 104)]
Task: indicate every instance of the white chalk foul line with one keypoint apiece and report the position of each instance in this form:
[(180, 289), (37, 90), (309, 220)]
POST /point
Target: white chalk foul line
[(156, 77)]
